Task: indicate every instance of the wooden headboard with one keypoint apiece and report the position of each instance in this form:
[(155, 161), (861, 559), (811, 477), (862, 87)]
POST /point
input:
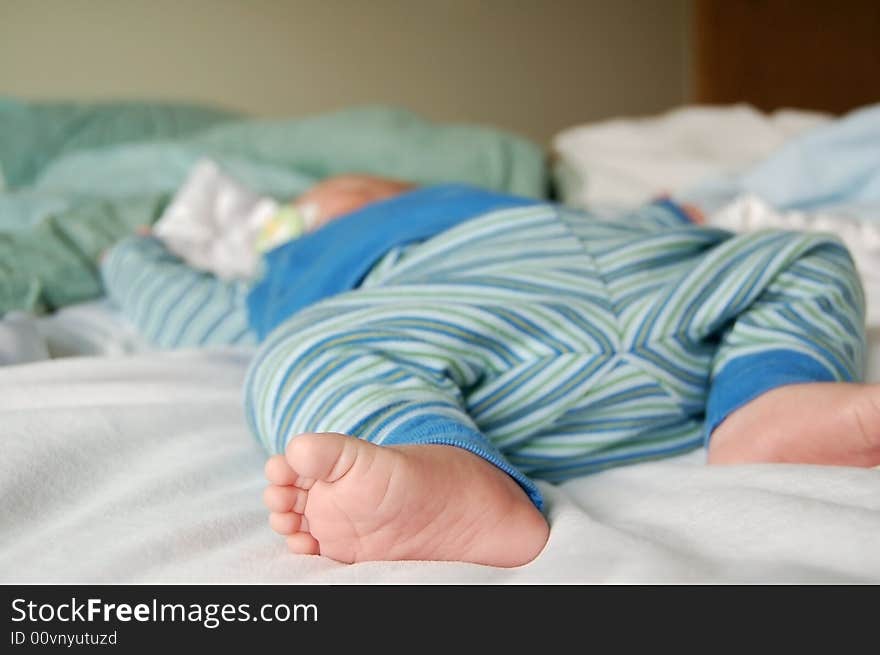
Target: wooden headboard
[(809, 54)]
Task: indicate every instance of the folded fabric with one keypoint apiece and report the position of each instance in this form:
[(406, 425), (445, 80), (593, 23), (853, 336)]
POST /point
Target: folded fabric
[(34, 134), (51, 259), (213, 223), (388, 142), (85, 329), (336, 257), (20, 341), (625, 162), (750, 213), (836, 166), (68, 199)]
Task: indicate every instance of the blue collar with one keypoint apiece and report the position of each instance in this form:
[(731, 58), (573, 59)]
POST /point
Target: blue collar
[(337, 257)]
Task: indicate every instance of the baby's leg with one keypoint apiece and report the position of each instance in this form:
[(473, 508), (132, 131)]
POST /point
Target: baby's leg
[(813, 423), (785, 386), (435, 489), (172, 304)]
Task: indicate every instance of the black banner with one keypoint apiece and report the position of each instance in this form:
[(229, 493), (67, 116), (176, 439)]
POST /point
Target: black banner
[(132, 618)]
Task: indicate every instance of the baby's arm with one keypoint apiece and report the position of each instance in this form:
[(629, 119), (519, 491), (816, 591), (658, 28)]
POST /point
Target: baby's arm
[(173, 305)]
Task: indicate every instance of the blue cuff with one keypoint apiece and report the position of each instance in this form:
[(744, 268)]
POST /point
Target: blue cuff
[(441, 430), (745, 378)]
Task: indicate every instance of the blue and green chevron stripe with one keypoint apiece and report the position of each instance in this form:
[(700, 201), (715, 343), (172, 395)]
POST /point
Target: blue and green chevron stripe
[(555, 344), (550, 342)]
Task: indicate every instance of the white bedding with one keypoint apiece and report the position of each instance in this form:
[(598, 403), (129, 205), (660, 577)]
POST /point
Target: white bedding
[(89, 328), (121, 465), (141, 469), (627, 161), (129, 466)]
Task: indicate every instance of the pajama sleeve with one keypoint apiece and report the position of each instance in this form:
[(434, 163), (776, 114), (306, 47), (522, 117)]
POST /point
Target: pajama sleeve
[(172, 304)]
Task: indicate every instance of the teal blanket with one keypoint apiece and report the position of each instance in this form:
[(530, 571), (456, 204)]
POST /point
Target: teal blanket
[(76, 178)]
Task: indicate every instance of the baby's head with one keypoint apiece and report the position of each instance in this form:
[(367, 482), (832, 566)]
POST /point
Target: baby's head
[(324, 202), (344, 194)]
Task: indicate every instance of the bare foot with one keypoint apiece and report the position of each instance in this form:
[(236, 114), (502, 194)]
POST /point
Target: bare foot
[(817, 423), (353, 501)]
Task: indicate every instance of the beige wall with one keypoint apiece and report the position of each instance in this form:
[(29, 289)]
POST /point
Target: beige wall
[(531, 66)]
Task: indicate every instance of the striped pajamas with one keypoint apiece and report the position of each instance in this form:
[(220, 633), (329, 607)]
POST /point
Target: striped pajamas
[(554, 344), (171, 304)]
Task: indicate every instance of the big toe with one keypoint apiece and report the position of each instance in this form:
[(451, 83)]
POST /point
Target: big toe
[(325, 456)]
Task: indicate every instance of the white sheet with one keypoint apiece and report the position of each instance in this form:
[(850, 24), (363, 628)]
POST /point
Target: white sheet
[(89, 328), (628, 161), (141, 469)]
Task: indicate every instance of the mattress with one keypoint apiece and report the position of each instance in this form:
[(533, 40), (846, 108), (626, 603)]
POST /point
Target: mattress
[(138, 467)]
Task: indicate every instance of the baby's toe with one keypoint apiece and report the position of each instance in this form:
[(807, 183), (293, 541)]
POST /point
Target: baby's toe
[(285, 522), (302, 543), (285, 499), (278, 471)]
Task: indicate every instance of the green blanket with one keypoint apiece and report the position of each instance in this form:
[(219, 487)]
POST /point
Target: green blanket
[(77, 178)]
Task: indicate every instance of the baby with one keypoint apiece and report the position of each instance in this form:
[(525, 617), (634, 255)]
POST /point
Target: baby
[(343, 194), (412, 406)]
